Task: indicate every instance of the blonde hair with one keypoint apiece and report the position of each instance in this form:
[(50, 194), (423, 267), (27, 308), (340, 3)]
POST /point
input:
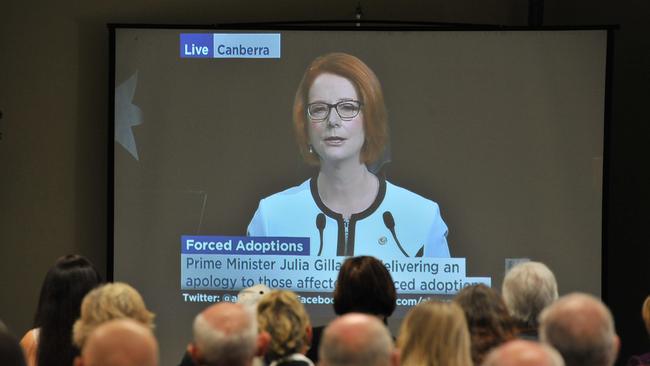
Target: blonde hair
[(435, 334), (283, 316), (111, 301)]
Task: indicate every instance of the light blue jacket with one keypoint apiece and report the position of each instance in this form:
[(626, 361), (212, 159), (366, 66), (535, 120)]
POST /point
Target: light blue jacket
[(418, 225)]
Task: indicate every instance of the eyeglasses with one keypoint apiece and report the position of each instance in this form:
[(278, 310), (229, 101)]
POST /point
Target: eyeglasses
[(346, 109)]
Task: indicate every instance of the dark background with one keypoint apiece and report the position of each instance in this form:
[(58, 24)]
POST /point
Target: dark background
[(54, 129)]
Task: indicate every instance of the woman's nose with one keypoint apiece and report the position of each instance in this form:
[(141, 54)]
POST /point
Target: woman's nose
[(333, 119)]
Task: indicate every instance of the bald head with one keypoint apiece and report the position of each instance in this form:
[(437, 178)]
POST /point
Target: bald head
[(581, 328), (523, 353), (227, 317), (121, 342), (357, 339), (224, 334)]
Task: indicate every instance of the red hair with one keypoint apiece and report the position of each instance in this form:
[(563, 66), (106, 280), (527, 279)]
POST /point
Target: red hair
[(375, 119)]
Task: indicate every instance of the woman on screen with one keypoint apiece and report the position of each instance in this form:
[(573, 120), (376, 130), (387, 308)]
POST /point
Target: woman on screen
[(340, 122)]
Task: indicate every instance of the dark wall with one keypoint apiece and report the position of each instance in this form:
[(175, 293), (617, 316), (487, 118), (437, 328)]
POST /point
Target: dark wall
[(626, 275), (53, 77)]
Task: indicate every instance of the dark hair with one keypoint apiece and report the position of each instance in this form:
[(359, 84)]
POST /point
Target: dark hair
[(487, 317), (59, 304), (364, 285), (10, 352)]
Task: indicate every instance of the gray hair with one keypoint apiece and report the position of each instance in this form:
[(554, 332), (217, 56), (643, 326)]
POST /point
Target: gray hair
[(218, 347), (581, 328), (375, 349), (527, 289)]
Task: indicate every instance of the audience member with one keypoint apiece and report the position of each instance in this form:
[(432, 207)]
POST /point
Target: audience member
[(119, 342), (581, 328), (283, 316), (111, 301), (527, 289), (357, 339), (523, 353), (10, 352), (364, 285), (435, 333), (65, 285), (226, 334), (487, 318), (247, 297), (644, 359)]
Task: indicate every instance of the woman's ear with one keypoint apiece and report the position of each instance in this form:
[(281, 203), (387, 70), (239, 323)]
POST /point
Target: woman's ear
[(310, 336), (395, 357), (194, 353), (263, 341)]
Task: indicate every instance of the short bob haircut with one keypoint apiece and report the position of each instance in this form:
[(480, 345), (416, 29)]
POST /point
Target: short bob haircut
[(435, 333), (364, 285), (375, 119), (283, 316), (111, 301)]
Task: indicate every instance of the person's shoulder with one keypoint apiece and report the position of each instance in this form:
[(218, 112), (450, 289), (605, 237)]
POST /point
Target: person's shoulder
[(298, 191), (30, 338), (640, 360), (29, 344), (395, 192)]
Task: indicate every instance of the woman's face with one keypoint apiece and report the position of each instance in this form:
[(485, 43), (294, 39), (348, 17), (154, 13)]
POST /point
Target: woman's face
[(335, 139)]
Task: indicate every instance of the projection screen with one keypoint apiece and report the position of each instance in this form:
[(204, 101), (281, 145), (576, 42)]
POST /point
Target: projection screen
[(493, 156)]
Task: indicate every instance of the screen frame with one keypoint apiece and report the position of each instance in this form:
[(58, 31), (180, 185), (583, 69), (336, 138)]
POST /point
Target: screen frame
[(364, 26)]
